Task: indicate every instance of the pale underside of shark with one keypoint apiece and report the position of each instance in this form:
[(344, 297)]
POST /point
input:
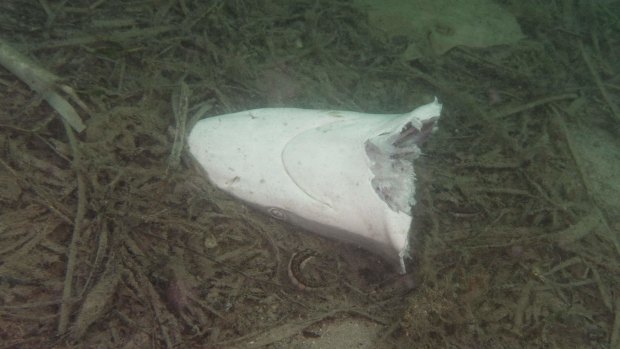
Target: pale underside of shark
[(341, 174)]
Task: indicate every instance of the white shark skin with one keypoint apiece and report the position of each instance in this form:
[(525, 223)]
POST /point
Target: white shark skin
[(314, 168)]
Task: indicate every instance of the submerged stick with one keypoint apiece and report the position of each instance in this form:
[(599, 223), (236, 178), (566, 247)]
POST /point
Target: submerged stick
[(75, 236), (180, 106)]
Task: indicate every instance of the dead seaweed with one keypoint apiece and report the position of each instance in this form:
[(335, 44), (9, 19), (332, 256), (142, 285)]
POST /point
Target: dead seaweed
[(112, 238)]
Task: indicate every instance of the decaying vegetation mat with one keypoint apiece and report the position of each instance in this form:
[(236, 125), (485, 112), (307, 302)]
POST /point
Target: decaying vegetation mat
[(110, 237)]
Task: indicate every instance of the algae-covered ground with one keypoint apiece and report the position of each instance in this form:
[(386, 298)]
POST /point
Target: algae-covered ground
[(111, 237)]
